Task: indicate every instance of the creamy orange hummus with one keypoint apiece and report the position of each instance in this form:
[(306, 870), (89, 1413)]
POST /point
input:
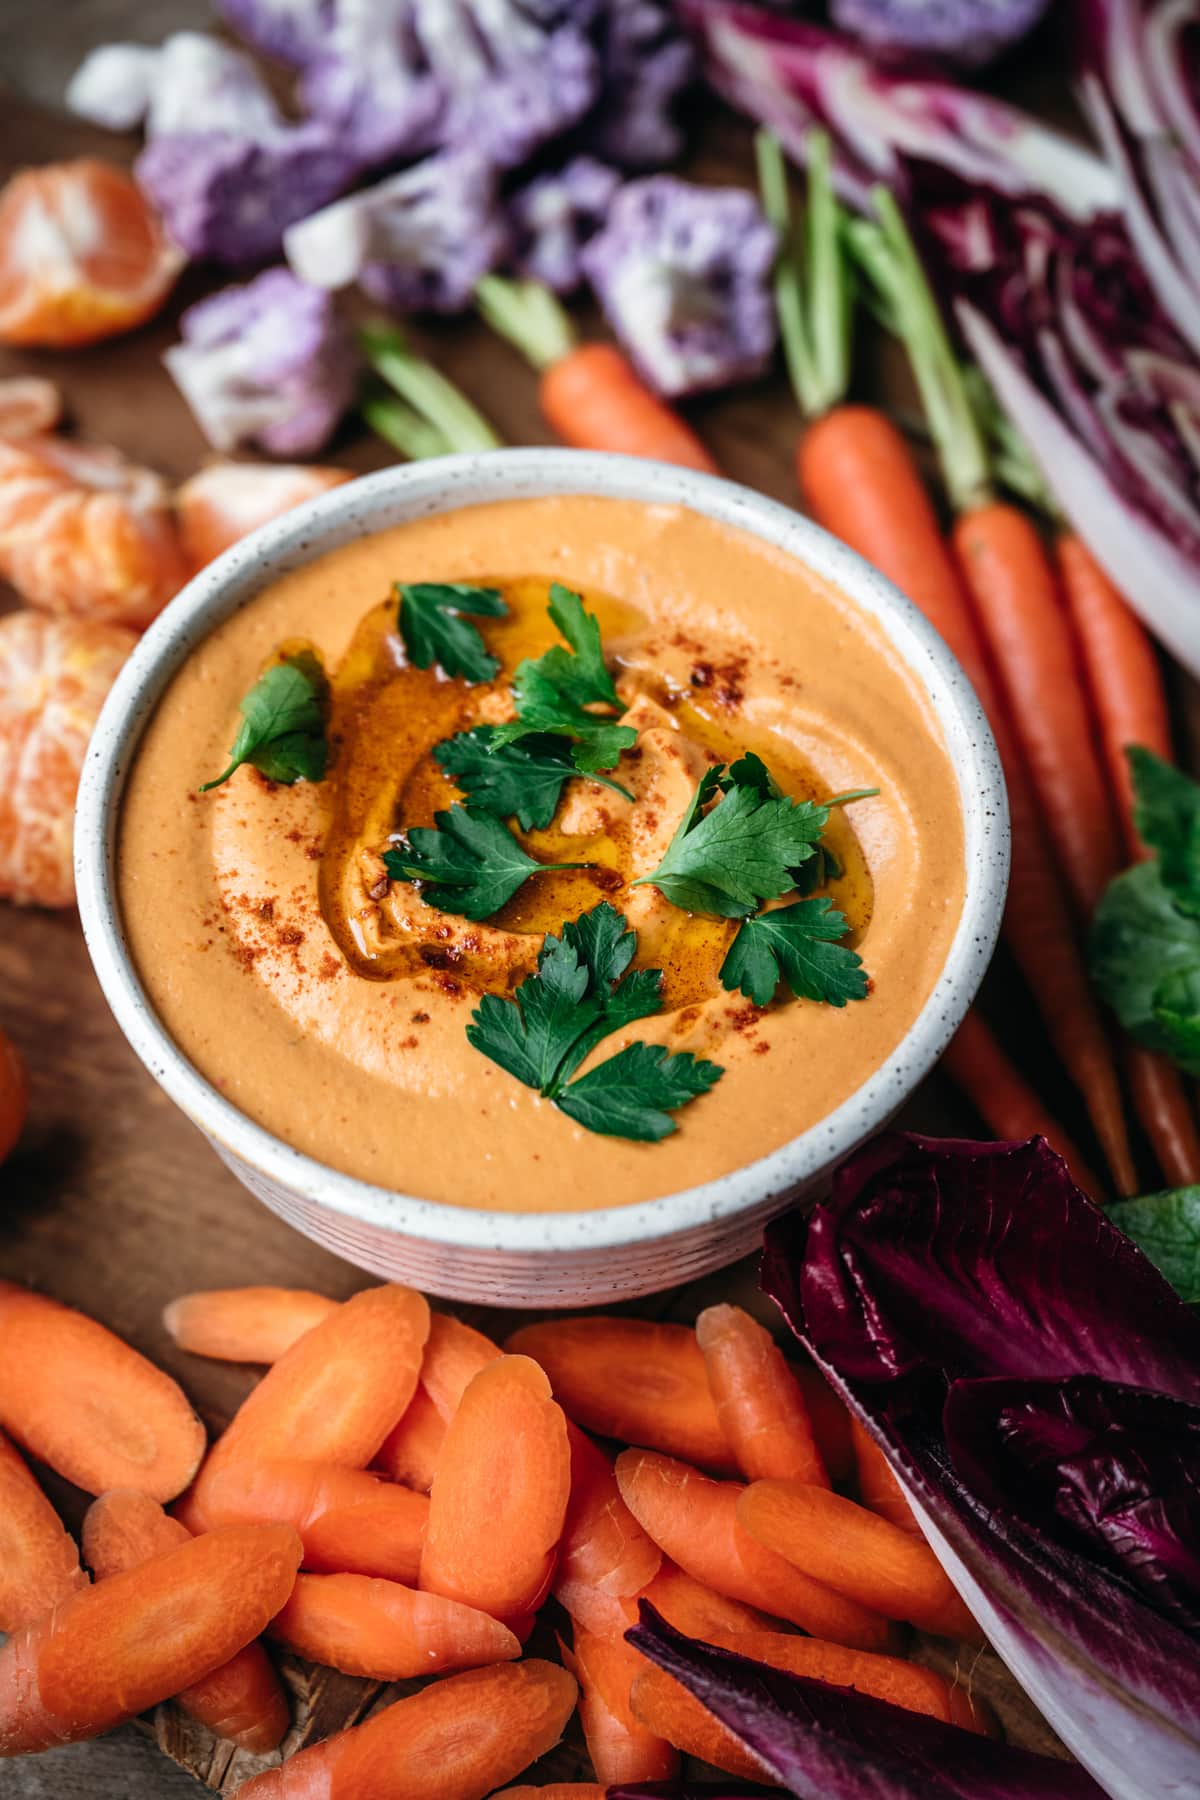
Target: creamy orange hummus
[(331, 1006)]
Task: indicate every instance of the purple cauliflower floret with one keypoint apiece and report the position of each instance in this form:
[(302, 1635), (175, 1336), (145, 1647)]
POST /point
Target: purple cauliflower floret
[(418, 241), (968, 32), (268, 365), (646, 66), (683, 274), (554, 216), (292, 31)]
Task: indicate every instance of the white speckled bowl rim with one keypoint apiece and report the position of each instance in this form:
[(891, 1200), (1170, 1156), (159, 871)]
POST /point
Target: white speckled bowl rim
[(391, 497)]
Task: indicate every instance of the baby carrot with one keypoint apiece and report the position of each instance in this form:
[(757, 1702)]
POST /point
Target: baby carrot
[(39, 1564), (699, 1611), (77, 1397), (694, 1521), (454, 1355), (619, 1745), (335, 1395), (666, 1708), (878, 1489), (410, 1451), (604, 1557), (760, 1404), (458, 1739), (632, 1379), (248, 1324), (349, 1522), (115, 1649), (242, 1700), (365, 1626), (558, 1790), (852, 1550), (500, 1494), (830, 1422)]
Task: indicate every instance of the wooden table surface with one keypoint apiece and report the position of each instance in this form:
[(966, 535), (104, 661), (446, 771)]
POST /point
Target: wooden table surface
[(114, 1203)]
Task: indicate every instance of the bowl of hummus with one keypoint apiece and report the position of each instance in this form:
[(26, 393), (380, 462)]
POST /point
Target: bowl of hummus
[(533, 870)]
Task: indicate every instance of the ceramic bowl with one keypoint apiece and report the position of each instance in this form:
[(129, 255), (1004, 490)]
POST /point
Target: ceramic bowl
[(545, 1259)]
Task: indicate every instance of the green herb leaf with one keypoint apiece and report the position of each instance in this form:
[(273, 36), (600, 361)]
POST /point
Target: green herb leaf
[(633, 1094), (435, 631), (522, 781), (467, 863), (553, 693), (1167, 816), (798, 944), (1144, 956), (1167, 1228), (283, 724), (743, 851)]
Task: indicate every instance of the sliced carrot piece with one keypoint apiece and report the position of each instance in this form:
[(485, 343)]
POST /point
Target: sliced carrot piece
[(830, 1422), (605, 1557), (878, 1489), (454, 1356), (499, 1498), (667, 1709), (620, 1746), (77, 1397), (248, 1324), (633, 1379), (115, 1649), (242, 1700), (760, 1404), (410, 1451), (458, 1739), (699, 1611), (350, 1522), (851, 1549), (39, 1564), (693, 1520), (335, 1395), (366, 1626)]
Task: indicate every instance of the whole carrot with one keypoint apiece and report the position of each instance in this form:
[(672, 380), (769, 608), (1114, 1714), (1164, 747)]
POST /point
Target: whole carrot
[(115, 1649), (1003, 1098), (248, 1324), (760, 1404), (619, 1745), (604, 1557), (591, 395), (242, 1700), (349, 1522), (366, 1626), (39, 1564)]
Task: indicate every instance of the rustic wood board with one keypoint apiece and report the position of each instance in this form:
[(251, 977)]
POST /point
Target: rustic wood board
[(114, 1203)]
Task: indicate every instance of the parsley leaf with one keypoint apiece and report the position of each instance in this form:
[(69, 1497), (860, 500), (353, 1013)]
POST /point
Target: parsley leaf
[(1167, 816), (1167, 1228), (582, 992), (743, 851), (553, 693), (522, 780), (435, 631), (798, 944), (282, 733), (467, 862)]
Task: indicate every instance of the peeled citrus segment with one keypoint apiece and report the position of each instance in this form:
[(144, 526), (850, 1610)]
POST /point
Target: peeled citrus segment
[(84, 531), (82, 255), (28, 404), (54, 675), (227, 500)]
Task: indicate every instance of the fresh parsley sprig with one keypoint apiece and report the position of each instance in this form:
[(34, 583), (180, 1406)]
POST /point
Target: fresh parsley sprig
[(282, 733), (557, 692), (583, 991), (436, 629), (467, 862), (800, 945), (522, 781)]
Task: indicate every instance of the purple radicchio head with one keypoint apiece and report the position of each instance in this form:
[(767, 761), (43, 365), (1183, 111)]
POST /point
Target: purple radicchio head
[(970, 33), (553, 217)]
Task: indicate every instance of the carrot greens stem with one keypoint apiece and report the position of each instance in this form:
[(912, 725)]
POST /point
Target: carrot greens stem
[(529, 316), (812, 278), (432, 418)]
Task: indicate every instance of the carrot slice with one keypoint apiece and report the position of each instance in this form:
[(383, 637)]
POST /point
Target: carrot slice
[(454, 1355), (618, 1743), (39, 1564), (410, 1451), (830, 1422), (335, 1395), (500, 1495), (77, 1397), (632, 1379), (242, 1700), (667, 1709), (878, 1489), (349, 1522), (458, 1739), (693, 1520), (604, 1557), (699, 1611), (366, 1626), (760, 1404), (115, 1649), (249, 1324)]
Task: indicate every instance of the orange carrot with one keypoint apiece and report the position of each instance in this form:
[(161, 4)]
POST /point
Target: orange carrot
[(453, 1357), (853, 1551), (410, 1451), (1003, 1098), (595, 399), (500, 1494), (335, 1395), (604, 1557), (667, 1709), (862, 483), (619, 1745), (39, 1564), (878, 1489), (830, 1422), (632, 1379), (366, 1626), (458, 1739), (558, 1790), (760, 1404), (693, 1520), (249, 1324), (699, 1611), (113, 1650), (242, 1700), (1161, 1102), (77, 1397), (350, 1522)]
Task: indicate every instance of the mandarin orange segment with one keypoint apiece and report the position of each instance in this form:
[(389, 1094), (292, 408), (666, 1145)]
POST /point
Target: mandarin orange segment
[(228, 500), (82, 255), (28, 405), (54, 676)]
